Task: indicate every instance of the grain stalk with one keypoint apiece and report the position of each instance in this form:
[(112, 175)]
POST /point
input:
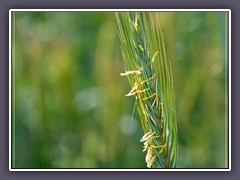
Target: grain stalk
[(149, 73)]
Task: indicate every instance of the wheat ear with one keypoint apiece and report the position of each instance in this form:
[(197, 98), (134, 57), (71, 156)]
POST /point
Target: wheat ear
[(150, 77)]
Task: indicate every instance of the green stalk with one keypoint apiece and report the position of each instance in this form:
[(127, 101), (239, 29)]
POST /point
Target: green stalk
[(150, 77)]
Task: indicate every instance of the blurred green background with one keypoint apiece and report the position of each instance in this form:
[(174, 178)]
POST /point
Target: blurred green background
[(70, 109)]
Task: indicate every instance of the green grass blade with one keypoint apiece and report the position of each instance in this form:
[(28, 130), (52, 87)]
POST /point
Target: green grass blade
[(143, 50)]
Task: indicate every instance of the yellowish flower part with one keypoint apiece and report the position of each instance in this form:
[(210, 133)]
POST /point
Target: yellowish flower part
[(149, 164)]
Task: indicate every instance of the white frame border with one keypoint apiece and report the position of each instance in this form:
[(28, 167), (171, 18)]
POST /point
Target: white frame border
[(123, 10)]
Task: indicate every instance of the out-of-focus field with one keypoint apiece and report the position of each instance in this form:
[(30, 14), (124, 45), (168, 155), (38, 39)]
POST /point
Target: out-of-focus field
[(70, 109)]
